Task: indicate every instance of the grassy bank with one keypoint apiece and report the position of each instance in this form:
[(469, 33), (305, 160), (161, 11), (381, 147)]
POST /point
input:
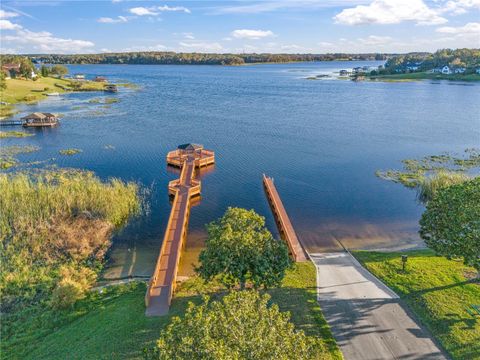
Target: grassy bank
[(54, 226), (29, 91), (112, 325), (439, 291), (426, 76)]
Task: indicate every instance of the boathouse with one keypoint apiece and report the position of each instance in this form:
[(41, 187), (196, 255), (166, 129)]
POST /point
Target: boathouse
[(38, 119)]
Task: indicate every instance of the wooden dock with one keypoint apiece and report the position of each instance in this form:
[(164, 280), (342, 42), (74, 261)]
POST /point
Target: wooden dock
[(284, 225), (10, 122), (162, 284)]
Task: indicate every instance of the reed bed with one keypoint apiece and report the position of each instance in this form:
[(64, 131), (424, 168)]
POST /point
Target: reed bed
[(430, 185), (53, 218)]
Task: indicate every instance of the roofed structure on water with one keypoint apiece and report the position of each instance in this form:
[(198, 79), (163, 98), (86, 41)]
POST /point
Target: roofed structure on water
[(40, 119), (39, 116), (190, 147)]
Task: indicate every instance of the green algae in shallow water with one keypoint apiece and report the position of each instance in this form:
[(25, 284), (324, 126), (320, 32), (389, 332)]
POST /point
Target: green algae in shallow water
[(70, 151), (8, 154), (432, 172), (16, 134)]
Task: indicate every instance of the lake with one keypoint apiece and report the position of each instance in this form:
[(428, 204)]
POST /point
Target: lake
[(321, 140)]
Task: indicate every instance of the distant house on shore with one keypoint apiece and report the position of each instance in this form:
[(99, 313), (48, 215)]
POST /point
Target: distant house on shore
[(100, 79), (459, 70), (11, 70), (358, 70), (79, 77), (446, 70), (38, 119), (413, 66)]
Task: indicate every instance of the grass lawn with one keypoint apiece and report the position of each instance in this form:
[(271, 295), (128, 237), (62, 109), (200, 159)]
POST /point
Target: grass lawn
[(438, 291), (29, 91), (112, 325), (424, 75)]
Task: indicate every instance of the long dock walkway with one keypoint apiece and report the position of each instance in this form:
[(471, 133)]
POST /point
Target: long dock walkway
[(285, 227), (162, 283)]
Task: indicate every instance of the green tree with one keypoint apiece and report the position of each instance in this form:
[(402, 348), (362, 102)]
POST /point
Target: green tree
[(240, 249), (59, 70), (3, 82), (450, 224), (243, 325), (44, 71)]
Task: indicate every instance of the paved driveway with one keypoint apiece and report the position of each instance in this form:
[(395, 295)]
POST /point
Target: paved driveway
[(365, 316)]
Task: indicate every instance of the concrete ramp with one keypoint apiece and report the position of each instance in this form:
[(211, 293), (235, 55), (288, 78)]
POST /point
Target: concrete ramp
[(366, 317)]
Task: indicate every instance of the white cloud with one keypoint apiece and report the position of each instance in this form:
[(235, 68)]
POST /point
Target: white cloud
[(173, 8), (470, 28), (458, 7), (157, 47), (7, 14), (108, 20), (326, 43), (251, 34), (292, 48), (188, 35), (276, 5), (468, 34), (141, 11), (44, 41), (156, 10), (200, 46), (375, 40), (8, 25), (390, 12)]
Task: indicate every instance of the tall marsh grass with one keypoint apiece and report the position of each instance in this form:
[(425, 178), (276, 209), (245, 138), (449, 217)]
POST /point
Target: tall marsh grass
[(52, 218), (430, 185)]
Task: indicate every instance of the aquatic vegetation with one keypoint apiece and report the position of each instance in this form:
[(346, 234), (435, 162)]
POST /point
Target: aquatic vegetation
[(71, 151), (111, 100), (430, 185), (431, 173), (78, 107), (129, 86), (16, 134), (108, 100), (8, 154), (53, 219)]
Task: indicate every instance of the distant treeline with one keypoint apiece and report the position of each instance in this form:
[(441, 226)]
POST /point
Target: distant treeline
[(172, 58), (459, 58)]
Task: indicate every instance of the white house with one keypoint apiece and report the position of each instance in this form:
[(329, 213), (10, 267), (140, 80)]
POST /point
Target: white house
[(460, 70), (446, 70)]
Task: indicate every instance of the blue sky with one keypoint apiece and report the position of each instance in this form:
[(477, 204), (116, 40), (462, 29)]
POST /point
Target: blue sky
[(291, 26)]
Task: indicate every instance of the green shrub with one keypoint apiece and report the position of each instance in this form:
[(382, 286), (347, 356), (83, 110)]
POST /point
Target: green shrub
[(243, 325)]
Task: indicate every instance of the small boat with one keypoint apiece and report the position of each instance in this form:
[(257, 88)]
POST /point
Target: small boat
[(112, 88), (53, 94)]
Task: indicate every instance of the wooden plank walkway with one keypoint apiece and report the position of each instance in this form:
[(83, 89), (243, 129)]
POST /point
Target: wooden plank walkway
[(285, 227), (162, 284), (10, 122)]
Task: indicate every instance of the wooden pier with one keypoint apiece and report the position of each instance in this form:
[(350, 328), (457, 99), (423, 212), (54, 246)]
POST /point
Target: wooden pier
[(162, 284), (283, 222), (10, 122)]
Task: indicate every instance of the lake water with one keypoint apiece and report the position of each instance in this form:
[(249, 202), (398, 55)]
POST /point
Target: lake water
[(321, 140)]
